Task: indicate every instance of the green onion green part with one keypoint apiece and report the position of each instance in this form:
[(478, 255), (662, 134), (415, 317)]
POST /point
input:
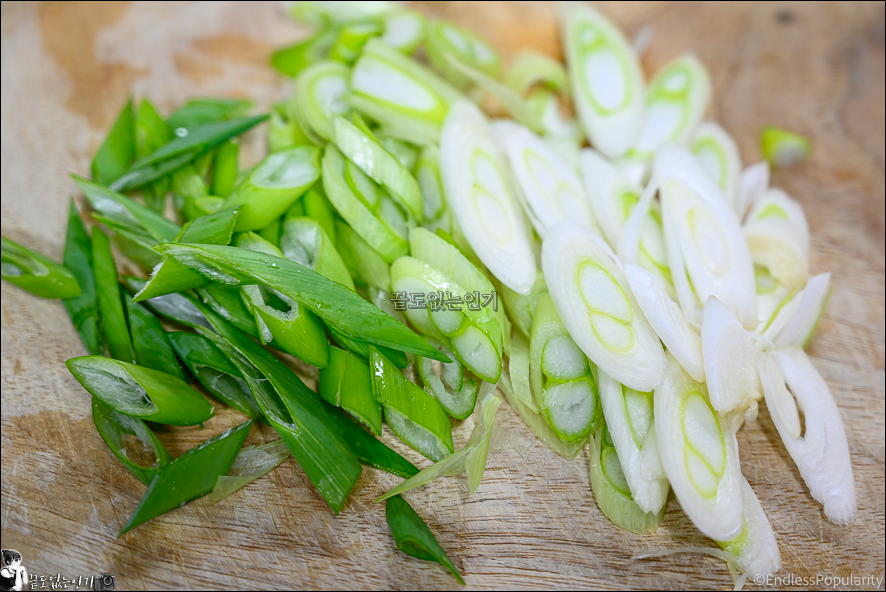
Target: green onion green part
[(110, 303), (82, 309), (150, 344), (118, 150), (35, 273), (151, 132), (413, 536), (781, 148), (448, 44), (292, 60), (345, 383), (251, 463), (197, 112)]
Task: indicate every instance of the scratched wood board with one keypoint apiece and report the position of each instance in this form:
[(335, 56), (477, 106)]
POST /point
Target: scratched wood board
[(66, 70)]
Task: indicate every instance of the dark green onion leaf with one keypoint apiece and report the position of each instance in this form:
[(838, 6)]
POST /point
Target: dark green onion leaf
[(227, 301), (150, 343), (131, 441), (178, 308), (251, 463), (141, 392), (118, 150), (83, 309), (316, 206), (413, 536), (110, 303), (183, 149), (345, 383), (190, 476), (412, 414), (369, 450), (338, 306), (226, 168), (151, 132), (215, 371), (274, 185), (198, 112), (271, 232), (292, 60), (294, 411), (366, 265), (284, 129), (188, 188), (362, 349), (35, 273)]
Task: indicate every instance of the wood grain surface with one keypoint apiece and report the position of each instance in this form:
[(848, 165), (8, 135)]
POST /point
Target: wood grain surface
[(817, 68)]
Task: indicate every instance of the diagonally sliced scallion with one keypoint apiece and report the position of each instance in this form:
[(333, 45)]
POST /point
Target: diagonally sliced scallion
[(36, 273), (351, 39), (305, 241), (594, 300), (251, 463), (730, 359), (118, 150), (447, 383), (110, 303), (778, 237), (782, 148), (404, 30), (150, 344), (482, 200), (606, 78), (292, 60), (345, 382), (82, 309), (530, 68), (612, 195), (699, 453), (447, 41), (366, 265), (755, 549), (718, 154), (318, 98)]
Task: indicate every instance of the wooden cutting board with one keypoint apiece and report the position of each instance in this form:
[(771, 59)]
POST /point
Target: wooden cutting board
[(67, 68)]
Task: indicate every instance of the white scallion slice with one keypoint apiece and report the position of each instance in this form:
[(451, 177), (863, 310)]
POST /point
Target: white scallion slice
[(666, 318), (817, 442), (675, 103), (409, 101), (699, 453), (482, 200), (606, 78), (718, 154), (549, 190), (446, 41), (320, 13), (530, 68), (612, 195), (753, 183), (782, 148), (520, 396), (707, 234), (755, 549), (811, 301), (778, 237), (730, 359), (612, 492), (319, 89), (631, 423), (592, 295), (404, 31)]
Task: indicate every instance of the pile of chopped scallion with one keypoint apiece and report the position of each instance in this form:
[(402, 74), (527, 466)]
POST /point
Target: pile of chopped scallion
[(617, 274)]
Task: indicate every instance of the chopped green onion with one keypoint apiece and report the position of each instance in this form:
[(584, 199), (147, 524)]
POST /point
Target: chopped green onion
[(520, 396), (216, 373), (447, 383), (409, 101), (131, 441), (227, 301), (181, 150), (781, 148), (594, 300), (471, 459), (188, 188), (363, 349), (369, 450), (37, 274), (435, 214), (730, 359), (612, 194), (273, 186), (718, 154), (151, 132), (321, 14), (404, 30), (520, 307), (611, 491), (481, 199), (365, 264), (318, 98), (305, 241), (405, 153), (82, 309), (345, 383), (141, 392), (755, 549), (778, 237), (447, 41), (606, 78), (178, 308), (226, 168), (675, 103), (412, 414), (171, 276), (118, 149), (190, 476), (351, 39), (699, 454), (530, 68), (291, 61), (797, 320), (291, 326), (548, 189), (630, 424), (354, 210), (817, 440), (413, 536), (150, 344), (251, 463), (294, 411), (362, 148), (284, 130), (197, 112), (110, 303), (315, 205)]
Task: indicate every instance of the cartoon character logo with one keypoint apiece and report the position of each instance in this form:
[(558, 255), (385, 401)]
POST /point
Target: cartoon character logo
[(13, 576)]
